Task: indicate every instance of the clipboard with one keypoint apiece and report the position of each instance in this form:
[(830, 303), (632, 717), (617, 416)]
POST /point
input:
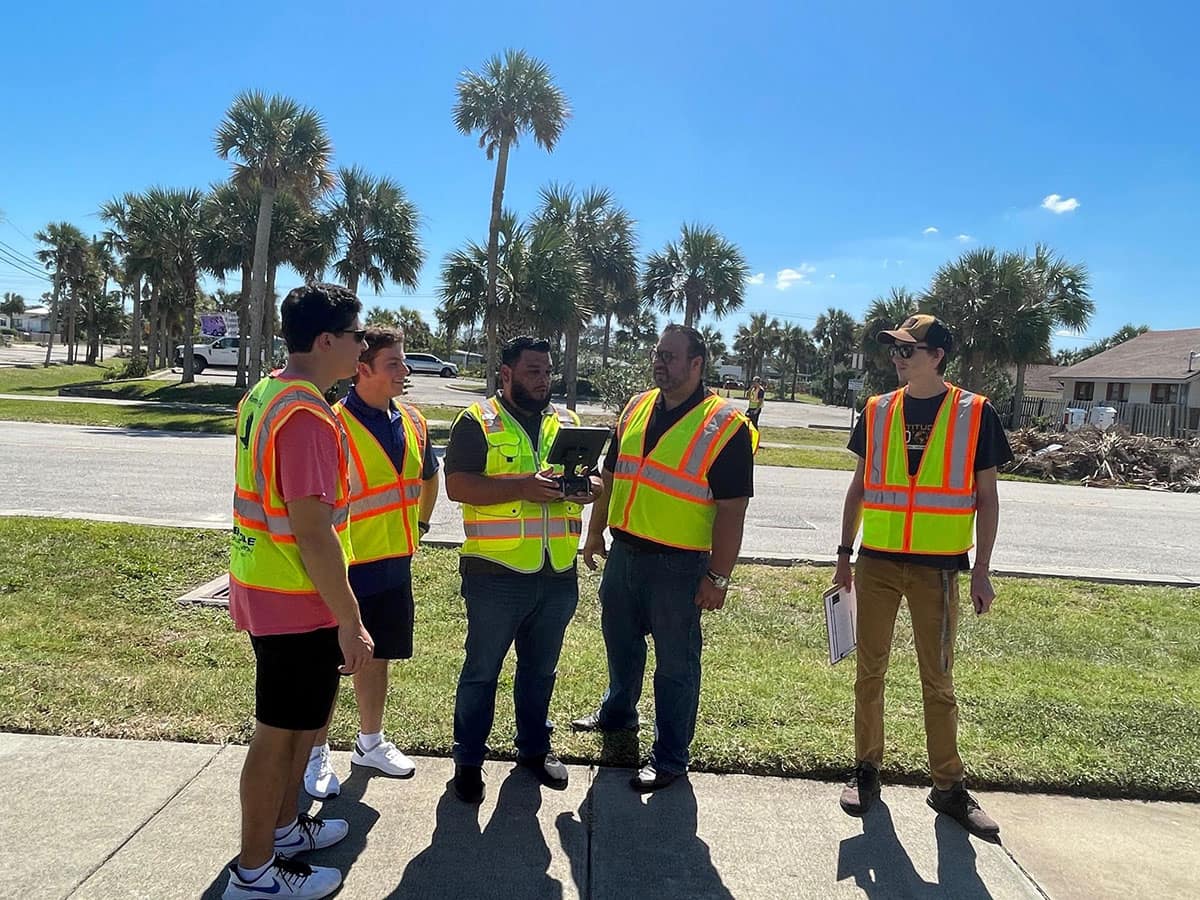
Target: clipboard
[(841, 622)]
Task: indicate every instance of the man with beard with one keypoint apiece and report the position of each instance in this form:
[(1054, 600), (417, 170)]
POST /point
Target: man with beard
[(677, 480), (518, 561)]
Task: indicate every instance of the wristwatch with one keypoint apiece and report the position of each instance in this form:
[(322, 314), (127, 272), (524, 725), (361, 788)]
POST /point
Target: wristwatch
[(423, 527), (843, 550), (720, 582)]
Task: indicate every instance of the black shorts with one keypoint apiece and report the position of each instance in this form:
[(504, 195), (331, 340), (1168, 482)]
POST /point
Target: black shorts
[(296, 678), (388, 618)]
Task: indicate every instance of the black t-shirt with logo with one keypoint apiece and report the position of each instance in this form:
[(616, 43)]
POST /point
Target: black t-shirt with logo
[(920, 413)]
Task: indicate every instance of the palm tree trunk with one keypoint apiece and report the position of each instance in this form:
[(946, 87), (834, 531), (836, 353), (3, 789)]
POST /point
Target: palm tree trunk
[(352, 284), (258, 280), (135, 338), (492, 309), (93, 349), (243, 321), (53, 314), (1018, 396), (608, 317), (189, 324), (152, 338), (571, 362), (269, 320)]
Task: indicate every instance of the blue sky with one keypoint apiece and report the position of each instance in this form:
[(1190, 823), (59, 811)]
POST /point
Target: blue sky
[(826, 139)]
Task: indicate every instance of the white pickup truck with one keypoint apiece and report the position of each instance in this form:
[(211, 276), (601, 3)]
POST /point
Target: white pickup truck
[(221, 351)]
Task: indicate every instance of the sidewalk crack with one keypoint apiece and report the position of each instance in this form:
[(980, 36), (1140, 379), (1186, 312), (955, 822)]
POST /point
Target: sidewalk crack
[(150, 818), (1028, 876), (588, 804)]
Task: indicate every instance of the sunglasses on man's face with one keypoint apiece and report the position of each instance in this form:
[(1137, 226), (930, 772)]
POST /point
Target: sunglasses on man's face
[(359, 335), (905, 351)]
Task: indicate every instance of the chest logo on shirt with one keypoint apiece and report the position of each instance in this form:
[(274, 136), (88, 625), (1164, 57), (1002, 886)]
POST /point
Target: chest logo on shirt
[(917, 436)]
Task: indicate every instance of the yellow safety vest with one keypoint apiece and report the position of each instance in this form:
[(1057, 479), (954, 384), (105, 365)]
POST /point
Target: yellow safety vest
[(755, 398), (932, 512), (264, 552), (377, 490), (664, 497), (518, 534)]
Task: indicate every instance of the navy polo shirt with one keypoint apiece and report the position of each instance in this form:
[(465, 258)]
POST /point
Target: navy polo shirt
[(384, 575)]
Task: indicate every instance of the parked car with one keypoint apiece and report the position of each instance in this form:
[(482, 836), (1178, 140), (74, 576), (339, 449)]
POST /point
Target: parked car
[(221, 351), (583, 388), (428, 364)]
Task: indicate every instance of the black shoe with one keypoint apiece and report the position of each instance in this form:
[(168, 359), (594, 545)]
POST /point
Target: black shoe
[(548, 769), (591, 722), (861, 790), (649, 779), (965, 810), (468, 783)]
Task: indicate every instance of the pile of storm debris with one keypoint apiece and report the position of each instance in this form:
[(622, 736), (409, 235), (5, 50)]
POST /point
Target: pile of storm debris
[(1110, 458)]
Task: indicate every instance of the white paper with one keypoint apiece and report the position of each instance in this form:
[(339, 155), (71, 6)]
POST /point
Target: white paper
[(841, 622)]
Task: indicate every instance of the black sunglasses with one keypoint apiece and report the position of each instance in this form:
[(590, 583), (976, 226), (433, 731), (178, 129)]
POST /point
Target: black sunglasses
[(359, 335), (905, 351)]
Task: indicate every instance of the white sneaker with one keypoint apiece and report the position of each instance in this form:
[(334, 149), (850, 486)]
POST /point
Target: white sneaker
[(285, 878), (385, 757), (319, 780), (310, 833)]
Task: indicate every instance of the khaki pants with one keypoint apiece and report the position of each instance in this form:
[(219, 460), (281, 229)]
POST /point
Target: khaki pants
[(932, 596)]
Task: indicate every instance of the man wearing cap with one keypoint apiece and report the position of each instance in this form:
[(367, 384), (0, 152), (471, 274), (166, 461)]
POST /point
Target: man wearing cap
[(755, 395), (925, 492)]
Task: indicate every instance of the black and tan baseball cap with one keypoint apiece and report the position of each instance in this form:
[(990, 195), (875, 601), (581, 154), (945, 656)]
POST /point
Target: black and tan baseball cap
[(921, 328)]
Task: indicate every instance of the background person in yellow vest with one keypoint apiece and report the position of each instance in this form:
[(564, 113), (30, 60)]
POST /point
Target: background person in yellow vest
[(518, 562), (756, 395), (928, 455), (288, 587), (393, 489), (678, 477)]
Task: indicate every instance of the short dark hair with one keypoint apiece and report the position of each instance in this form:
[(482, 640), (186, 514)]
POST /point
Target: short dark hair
[(314, 309), (696, 345), (380, 339), (511, 352)]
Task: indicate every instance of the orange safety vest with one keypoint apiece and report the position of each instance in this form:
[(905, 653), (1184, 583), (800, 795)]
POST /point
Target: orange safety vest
[(932, 512)]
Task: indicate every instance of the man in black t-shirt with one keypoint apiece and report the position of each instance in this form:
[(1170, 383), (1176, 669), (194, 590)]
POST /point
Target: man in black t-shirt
[(917, 511)]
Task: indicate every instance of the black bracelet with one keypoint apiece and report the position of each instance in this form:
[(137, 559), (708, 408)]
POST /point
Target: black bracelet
[(423, 527), (842, 548)]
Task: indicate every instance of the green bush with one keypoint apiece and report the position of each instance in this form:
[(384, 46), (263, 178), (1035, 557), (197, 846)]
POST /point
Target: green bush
[(618, 383), (136, 366)]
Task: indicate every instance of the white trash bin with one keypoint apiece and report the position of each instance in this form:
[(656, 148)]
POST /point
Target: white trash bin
[(1073, 419), (1102, 417)]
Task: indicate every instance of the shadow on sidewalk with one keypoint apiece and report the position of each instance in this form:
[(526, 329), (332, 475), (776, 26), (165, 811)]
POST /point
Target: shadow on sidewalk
[(881, 867), (506, 859), (638, 841)]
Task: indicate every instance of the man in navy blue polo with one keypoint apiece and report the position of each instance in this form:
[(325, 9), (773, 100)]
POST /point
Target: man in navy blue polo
[(385, 535)]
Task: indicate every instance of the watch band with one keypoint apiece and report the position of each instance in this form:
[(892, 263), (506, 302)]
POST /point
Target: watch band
[(844, 550), (721, 582), (423, 527)]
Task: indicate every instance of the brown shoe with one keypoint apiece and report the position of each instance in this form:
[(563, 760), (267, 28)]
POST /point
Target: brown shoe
[(965, 810), (861, 790)]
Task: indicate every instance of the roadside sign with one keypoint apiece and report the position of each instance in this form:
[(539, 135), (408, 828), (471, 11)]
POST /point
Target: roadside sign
[(855, 384), (856, 362)]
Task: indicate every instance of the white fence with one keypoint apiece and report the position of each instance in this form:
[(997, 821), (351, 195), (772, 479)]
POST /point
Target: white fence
[(1155, 419)]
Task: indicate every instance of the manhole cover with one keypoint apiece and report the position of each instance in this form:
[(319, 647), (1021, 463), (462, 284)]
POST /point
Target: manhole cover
[(214, 593)]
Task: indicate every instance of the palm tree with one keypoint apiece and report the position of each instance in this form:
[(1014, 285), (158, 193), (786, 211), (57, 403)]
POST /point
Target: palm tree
[(979, 296), (282, 147), (601, 233), (12, 305), (118, 213), (755, 341), (715, 342), (375, 225), (702, 273), (513, 95), (63, 256), (883, 313), (799, 351), (834, 331), (1057, 298)]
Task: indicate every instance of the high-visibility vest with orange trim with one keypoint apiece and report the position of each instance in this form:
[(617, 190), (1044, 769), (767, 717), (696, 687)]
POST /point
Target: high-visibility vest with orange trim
[(517, 534), (932, 512), (384, 503), (664, 496), (264, 552)]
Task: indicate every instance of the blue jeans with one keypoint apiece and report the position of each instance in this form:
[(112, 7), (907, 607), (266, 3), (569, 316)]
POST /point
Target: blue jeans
[(531, 611), (653, 593)]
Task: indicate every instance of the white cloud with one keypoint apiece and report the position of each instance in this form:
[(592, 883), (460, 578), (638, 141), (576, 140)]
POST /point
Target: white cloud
[(757, 279), (785, 278), (832, 275), (1059, 205), (964, 238), (930, 230)]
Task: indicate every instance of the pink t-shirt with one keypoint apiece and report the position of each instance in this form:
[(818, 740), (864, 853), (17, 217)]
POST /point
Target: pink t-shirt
[(307, 466)]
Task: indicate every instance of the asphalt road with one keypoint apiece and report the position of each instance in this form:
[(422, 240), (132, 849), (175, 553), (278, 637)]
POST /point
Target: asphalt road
[(187, 479)]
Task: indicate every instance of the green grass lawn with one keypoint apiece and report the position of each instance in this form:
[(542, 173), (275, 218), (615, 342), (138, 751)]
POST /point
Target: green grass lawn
[(48, 380), (1065, 685), (159, 391), (115, 416)]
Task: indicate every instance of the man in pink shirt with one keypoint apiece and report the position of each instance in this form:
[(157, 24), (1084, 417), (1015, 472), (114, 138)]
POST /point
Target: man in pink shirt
[(289, 588)]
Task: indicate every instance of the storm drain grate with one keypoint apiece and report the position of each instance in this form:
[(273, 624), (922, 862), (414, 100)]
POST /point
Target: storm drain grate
[(214, 593)]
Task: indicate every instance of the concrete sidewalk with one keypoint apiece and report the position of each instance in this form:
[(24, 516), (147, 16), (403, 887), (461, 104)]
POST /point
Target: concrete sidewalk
[(95, 818)]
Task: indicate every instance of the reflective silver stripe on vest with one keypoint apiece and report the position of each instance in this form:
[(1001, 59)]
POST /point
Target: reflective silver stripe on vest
[(412, 492), (676, 483), (415, 418), (921, 499), (960, 446), (493, 422), (249, 509), (565, 528), (625, 467), (631, 409), (695, 460), (478, 530), (878, 437), (373, 503), (563, 415), (277, 409)]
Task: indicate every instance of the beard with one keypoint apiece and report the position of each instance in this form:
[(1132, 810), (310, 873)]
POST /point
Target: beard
[(527, 401)]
